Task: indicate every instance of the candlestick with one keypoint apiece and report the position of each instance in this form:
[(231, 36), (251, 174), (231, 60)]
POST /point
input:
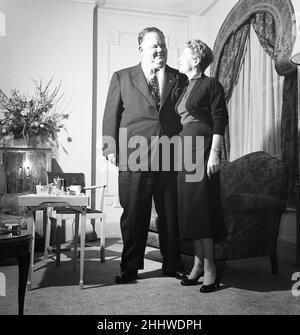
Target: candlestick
[(27, 172)]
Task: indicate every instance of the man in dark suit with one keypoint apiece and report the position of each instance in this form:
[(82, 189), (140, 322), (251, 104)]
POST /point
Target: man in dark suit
[(139, 107)]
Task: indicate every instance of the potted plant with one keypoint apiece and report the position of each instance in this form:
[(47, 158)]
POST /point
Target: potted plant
[(33, 120)]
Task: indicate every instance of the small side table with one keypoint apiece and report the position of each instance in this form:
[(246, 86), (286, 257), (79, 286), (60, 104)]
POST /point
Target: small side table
[(17, 244), (35, 202)]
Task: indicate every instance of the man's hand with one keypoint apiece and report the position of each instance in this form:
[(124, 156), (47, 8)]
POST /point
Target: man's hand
[(112, 159)]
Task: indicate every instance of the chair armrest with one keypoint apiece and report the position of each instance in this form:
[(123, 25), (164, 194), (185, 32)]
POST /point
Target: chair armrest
[(241, 202), (101, 197), (94, 187)]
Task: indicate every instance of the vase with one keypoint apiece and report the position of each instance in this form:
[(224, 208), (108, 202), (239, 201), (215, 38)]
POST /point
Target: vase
[(22, 142)]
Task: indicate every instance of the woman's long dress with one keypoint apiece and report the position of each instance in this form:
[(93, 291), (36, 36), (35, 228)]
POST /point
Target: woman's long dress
[(199, 202)]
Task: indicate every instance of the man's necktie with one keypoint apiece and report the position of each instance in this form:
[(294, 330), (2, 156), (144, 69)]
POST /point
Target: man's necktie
[(154, 87)]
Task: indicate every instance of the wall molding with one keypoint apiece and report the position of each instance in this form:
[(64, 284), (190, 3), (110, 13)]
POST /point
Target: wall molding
[(2, 24), (120, 9), (136, 12), (209, 8), (90, 3)]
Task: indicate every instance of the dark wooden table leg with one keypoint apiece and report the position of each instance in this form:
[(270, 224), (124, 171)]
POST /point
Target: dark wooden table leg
[(23, 263)]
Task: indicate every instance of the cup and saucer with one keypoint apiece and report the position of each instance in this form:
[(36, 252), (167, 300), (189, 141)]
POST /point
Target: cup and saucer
[(74, 189), (42, 189)]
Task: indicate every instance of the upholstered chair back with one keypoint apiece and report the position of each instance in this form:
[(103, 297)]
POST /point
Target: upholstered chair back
[(257, 172)]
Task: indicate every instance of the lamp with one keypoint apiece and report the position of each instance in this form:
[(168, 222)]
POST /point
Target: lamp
[(295, 56), (2, 25)]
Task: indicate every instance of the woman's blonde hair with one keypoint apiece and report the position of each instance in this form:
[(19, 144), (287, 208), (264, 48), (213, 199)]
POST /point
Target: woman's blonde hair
[(201, 51)]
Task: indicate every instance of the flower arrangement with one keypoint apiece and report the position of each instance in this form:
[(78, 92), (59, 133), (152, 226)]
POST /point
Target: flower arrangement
[(34, 117)]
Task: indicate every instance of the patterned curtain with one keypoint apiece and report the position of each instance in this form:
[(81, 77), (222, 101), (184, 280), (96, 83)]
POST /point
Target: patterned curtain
[(231, 59), (259, 88), (264, 26), (227, 73), (229, 68), (289, 132)]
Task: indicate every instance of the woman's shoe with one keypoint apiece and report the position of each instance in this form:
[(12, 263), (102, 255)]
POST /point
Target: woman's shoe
[(212, 287), (191, 282)]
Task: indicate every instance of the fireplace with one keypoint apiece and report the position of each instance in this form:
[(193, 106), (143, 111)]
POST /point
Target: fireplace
[(25, 167)]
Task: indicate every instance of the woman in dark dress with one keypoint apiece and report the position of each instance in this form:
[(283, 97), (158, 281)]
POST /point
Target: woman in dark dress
[(203, 113)]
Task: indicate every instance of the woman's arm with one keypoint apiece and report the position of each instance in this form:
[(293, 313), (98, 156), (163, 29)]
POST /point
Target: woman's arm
[(219, 115)]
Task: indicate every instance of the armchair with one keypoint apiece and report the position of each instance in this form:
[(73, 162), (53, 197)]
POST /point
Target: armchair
[(253, 192)]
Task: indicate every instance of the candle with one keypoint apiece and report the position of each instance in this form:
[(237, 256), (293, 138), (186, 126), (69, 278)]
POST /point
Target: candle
[(27, 171), (26, 165), (20, 172)]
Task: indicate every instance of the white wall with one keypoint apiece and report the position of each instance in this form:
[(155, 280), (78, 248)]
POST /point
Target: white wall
[(198, 28), (51, 38), (216, 17)]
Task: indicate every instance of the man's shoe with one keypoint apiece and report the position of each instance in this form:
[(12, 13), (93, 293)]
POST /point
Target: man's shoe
[(181, 274), (126, 277), (178, 274), (191, 282)]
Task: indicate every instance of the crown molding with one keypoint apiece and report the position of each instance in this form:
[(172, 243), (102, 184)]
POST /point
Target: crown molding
[(70, 2), (138, 12), (102, 4), (209, 7), (132, 10), (212, 4)]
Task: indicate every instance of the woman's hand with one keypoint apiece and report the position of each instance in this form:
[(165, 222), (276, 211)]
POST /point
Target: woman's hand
[(213, 164)]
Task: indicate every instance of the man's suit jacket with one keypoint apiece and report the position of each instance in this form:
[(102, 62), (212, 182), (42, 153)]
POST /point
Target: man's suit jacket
[(130, 105)]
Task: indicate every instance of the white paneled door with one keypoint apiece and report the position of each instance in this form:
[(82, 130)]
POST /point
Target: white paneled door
[(117, 49)]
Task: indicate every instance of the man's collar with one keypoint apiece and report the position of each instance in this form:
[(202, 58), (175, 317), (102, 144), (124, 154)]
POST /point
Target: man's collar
[(147, 70), (198, 76)]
